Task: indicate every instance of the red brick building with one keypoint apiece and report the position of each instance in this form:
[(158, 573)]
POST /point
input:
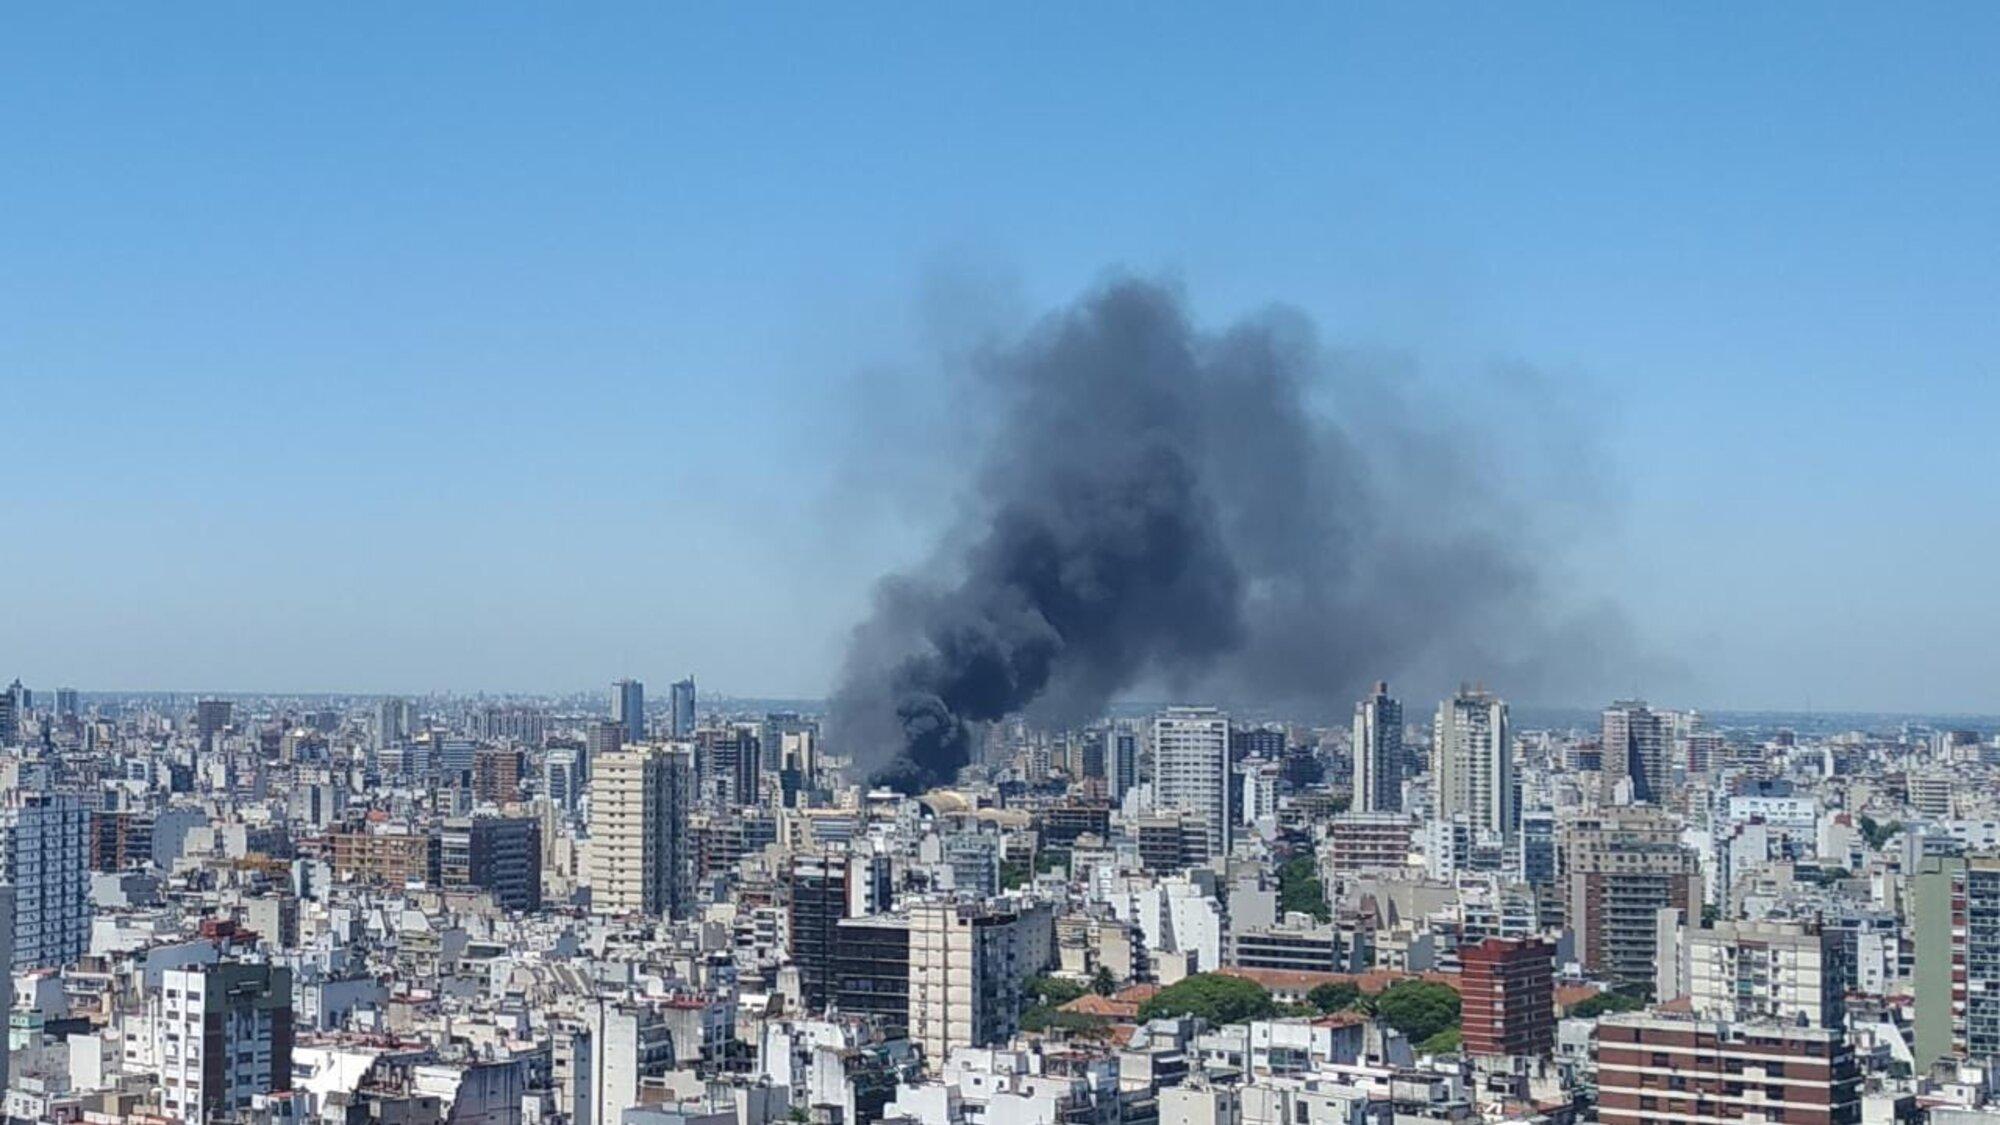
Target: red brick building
[(1674, 1069), (1507, 993)]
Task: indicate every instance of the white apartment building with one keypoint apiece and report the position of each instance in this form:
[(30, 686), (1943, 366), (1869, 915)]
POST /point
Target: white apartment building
[(1473, 762), (1191, 768)]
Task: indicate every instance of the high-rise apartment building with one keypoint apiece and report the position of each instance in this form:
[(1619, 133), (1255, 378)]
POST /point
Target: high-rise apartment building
[(211, 718), (1637, 745), (11, 714), (562, 778), (1121, 761), (825, 888), (1955, 914), (628, 708), (1378, 753), (966, 971), (498, 854), (395, 721), (1680, 1069), (787, 742), (1472, 763), (681, 708), (386, 855), (1777, 970), (1623, 867), (496, 775), (871, 970), (639, 859), (1536, 848), (1507, 991), (727, 758), (223, 1035), (67, 703), (1191, 769), (599, 739), (45, 838)]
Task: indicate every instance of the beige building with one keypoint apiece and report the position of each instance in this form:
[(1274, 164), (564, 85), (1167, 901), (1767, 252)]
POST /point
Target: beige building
[(1788, 971), (967, 965), (639, 860)]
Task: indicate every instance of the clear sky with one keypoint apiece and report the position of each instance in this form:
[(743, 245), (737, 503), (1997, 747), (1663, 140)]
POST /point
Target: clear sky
[(397, 347)]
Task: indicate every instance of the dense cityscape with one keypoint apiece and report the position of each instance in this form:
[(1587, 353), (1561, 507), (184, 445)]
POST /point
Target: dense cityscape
[(661, 909), (1000, 564)]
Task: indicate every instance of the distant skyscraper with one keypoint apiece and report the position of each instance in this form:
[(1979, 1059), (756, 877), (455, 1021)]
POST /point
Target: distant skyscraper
[(728, 764), (682, 703), (212, 717), (1378, 753), (1636, 741), (562, 777), (1191, 768), (771, 738), (10, 715), (1472, 763), (606, 736), (395, 720), (628, 708), (66, 703)]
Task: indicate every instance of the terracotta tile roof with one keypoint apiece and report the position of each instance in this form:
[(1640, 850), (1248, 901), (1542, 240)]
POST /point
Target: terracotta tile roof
[(1091, 1004), (1570, 995)]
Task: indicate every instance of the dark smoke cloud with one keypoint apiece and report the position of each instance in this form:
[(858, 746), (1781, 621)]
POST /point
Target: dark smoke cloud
[(1156, 504)]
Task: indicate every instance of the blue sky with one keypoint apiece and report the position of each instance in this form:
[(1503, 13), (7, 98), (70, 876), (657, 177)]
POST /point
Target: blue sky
[(456, 346)]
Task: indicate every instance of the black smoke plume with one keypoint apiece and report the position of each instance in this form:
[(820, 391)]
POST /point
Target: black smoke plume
[(1155, 504)]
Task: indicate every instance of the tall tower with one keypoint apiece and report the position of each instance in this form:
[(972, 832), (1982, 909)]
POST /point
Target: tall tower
[(1636, 739), (682, 701), (395, 721), (212, 717), (1191, 768), (1121, 752), (1378, 752), (640, 859), (1473, 765), (45, 845), (628, 708)]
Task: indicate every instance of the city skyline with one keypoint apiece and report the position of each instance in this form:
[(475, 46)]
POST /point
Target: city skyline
[(313, 283)]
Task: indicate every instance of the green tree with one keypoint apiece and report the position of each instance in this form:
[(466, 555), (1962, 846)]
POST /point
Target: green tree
[(1013, 874), (1051, 859), (1053, 992), (1044, 1019), (1878, 834), (1591, 1007), (1299, 888), (1104, 982), (1443, 1043), (1333, 996), (1418, 1008), (1214, 997)]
